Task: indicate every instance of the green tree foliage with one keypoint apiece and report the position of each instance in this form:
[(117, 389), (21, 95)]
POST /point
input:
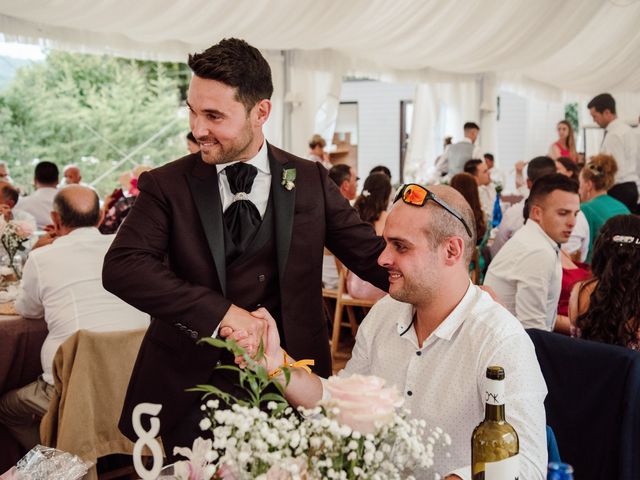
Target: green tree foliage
[(92, 111)]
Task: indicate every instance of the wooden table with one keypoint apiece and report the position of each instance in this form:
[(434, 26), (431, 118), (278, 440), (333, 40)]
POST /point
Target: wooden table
[(20, 343)]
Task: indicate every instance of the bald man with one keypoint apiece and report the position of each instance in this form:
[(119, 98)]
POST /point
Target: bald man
[(62, 282), (72, 175)]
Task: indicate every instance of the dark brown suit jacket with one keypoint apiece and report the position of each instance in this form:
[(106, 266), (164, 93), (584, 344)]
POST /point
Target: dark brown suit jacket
[(168, 260)]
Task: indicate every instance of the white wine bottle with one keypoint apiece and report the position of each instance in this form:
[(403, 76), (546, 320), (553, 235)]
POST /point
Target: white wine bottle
[(494, 443)]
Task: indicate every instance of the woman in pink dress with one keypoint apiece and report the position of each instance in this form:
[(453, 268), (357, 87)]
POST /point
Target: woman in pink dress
[(565, 146), (372, 208)]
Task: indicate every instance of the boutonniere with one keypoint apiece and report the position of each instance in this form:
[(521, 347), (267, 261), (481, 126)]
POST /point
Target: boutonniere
[(289, 178)]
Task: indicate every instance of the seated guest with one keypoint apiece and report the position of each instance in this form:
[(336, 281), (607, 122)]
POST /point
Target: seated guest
[(381, 169), (62, 282), (468, 187), (72, 175), (345, 178), (497, 175), (487, 192), (526, 274), (371, 205), (513, 219), (434, 320), (40, 202), (606, 307), (598, 206), (118, 205), (4, 172), (316, 151), (572, 273), (8, 199)]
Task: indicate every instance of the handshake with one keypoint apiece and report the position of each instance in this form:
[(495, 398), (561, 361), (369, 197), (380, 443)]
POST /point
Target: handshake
[(248, 329)]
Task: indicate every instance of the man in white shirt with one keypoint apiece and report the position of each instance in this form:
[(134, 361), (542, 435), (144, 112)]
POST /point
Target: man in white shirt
[(39, 203), (621, 142), (454, 157), (62, 282), (513, 218), (526, 274), (435, 334), (497, 175)]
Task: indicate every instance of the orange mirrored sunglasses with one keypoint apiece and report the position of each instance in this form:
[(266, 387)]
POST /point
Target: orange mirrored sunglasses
[(417, 195)]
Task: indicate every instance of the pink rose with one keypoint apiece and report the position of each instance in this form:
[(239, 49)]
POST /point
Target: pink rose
[(363, 402), (24, 229)]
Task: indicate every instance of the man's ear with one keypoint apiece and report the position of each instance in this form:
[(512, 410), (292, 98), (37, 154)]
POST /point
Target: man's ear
[(535, 212), (262, 110), (454, 250)]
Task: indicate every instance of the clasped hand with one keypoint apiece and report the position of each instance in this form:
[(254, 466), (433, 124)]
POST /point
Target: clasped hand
[(248, 329)]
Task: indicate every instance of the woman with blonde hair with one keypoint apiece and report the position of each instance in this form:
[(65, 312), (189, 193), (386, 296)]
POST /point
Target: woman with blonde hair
[(596, 178), (565, 146)]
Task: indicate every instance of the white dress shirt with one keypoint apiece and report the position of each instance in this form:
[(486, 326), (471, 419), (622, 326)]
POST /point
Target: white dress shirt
[(39, 204), (259, 194), (513, 220), (62, 282), (621, 142), (526, 276), (444, 381), (487, 194)]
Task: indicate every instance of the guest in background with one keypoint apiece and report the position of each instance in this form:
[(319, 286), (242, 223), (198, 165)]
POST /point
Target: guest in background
[(62, 283), (4, 172), (346, 179), (440, 167), (455, 155), (565, 146), (316, 151), (598, 206), (118, 205), (192, 144), (381, 169), (572, 273), (568, 167), (497, 176), (487, 192), (72, 175), (371, 205), (621, 143), (606, 308), (526, 274), (468, 187), (513, 219), (40, 202)]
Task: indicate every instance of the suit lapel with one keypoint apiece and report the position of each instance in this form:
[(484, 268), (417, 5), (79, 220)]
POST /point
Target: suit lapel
[(284, 202), (203, 182)]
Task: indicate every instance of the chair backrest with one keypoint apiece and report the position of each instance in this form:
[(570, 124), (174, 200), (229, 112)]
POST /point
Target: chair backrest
[(91, 372), (593, 404)]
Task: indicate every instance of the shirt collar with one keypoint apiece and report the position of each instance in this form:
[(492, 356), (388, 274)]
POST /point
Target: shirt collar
[(613, 124), (466, 140), (535, 227), (260, 161), (449, 325), (79, 232)]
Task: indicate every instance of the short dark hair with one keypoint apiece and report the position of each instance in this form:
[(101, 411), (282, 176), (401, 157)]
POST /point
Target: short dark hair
[(340, 173), (47, 173), (9, 192), (381, 169), (603, 102), (237, 64), (470, 125), (191, 138), (570, 166), (539, 167), (546, 185), (489, 156), (71, 217), (471, 166)]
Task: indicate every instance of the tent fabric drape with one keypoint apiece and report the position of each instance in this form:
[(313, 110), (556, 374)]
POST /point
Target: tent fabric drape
[(575, 45)]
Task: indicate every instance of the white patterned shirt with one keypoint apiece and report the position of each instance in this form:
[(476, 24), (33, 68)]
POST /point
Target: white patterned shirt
[(443, 382)]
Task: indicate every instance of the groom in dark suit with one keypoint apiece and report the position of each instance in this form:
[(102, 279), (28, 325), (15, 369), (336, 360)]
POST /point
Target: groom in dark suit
[(219, 233)]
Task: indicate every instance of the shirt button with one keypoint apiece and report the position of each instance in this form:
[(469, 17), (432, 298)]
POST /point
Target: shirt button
[(261, 278), (409, 393), (419, 352)]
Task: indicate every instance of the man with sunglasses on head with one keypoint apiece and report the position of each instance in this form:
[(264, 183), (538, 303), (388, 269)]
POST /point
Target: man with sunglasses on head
[(436, 333), (526, 274)]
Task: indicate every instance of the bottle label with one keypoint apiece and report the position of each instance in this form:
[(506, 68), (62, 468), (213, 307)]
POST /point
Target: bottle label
[(507, 469), (494, 393)]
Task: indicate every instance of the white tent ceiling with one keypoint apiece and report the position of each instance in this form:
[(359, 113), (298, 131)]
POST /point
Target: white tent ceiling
[(575, 45)]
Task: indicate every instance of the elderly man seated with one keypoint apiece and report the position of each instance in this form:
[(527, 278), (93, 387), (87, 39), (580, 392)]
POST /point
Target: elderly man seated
[(435, 335), (62, 282)]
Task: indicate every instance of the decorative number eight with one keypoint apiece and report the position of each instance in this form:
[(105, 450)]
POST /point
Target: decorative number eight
[(148, 438)]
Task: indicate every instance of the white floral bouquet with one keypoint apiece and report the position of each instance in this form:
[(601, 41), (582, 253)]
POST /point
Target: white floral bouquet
[(13, 236), (359, 433)]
